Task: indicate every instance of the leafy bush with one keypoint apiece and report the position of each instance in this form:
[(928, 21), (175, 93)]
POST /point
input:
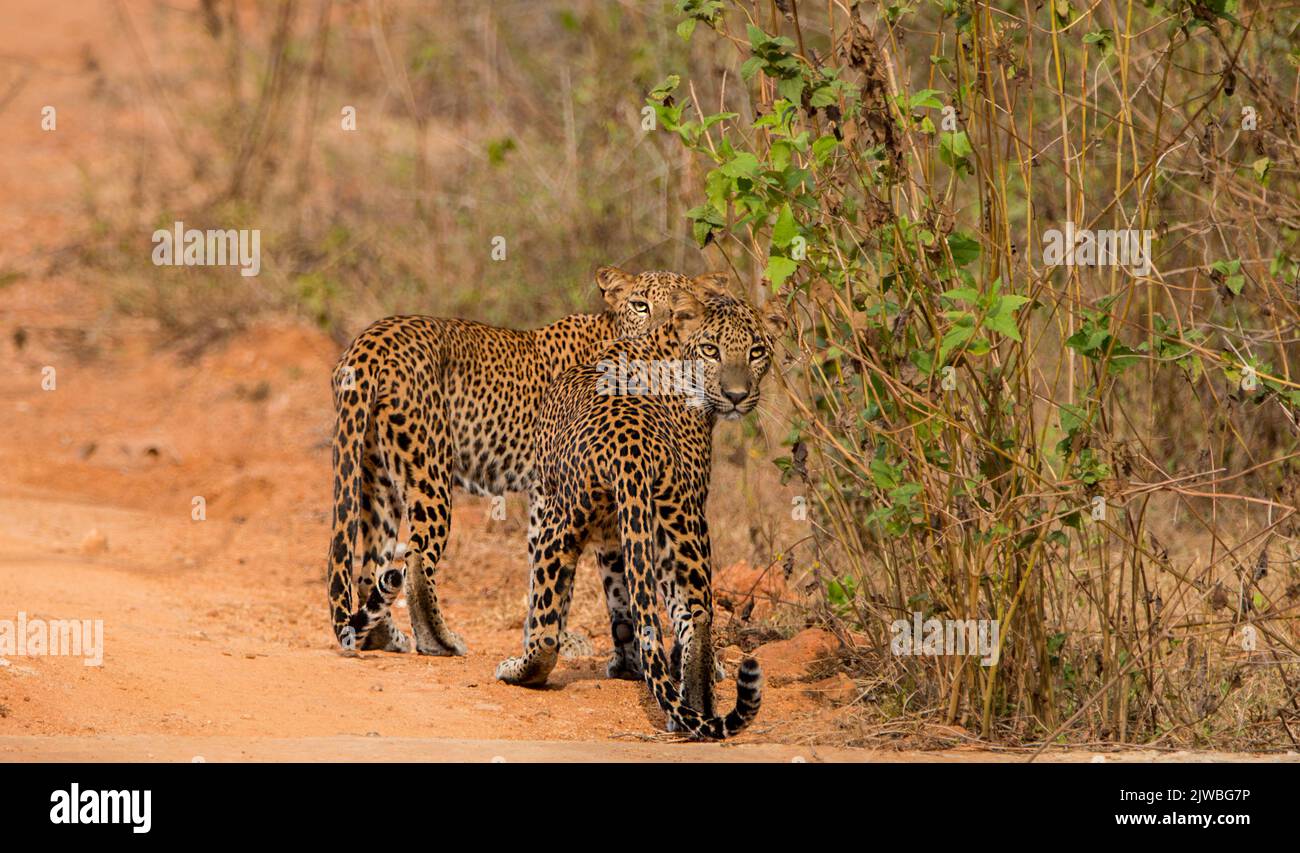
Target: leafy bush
[(1102, 458)]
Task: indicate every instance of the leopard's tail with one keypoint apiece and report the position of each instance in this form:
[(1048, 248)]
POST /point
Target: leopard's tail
[(354, 399), (636, 528)]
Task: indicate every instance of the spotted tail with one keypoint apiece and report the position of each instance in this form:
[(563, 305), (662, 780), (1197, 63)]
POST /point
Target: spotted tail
[(354, 398), (635, 520)]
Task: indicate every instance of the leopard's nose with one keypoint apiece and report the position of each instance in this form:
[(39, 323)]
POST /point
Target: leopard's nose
[(735, 395)]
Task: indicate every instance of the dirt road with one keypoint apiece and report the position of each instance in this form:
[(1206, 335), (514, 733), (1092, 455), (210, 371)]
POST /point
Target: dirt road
[(214, 626)]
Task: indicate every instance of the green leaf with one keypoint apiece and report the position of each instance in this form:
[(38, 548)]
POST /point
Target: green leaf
[(666, 88), (954, 148), (1088, 339), (957, 144), (743, 165), (964, 248), (883, 474), (685, 28), (791, 88), (926, 98), (705, 220), (955, 337), (1261, 169), (785, 229), (962, 294), (1104, 39), (779, 269), (1001, 318), (905, 493), (823, 96), (1073, 418), (822, 147)]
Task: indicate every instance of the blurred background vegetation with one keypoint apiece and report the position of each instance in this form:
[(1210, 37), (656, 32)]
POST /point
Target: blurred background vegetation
[(473, 120), (951, 407)]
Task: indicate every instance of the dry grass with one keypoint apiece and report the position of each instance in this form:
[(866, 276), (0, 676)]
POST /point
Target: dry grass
[(1100, 459)]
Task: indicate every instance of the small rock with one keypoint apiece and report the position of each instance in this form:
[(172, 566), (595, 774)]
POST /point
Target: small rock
[(94, 543), (376, 688), (839, 689), (790, 659)]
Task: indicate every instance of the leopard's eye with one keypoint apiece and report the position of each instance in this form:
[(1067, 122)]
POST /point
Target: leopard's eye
[(639, 306), (757, 353), (709, 351)]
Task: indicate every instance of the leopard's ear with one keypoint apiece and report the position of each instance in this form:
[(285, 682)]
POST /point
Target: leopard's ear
[(614, 284), (688, 314), (711, 283), (775, 318)]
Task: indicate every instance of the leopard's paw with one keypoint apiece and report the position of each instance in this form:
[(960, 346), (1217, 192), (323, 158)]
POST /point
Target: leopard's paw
[(348, 642), (387, 637), (529, 671), (624, 666), (450, 645), (574, 646)]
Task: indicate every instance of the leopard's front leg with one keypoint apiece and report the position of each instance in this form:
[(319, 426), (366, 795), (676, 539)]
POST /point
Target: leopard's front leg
[(553, 550)]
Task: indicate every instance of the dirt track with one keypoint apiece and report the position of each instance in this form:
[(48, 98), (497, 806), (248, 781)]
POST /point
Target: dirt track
[(218, 627)]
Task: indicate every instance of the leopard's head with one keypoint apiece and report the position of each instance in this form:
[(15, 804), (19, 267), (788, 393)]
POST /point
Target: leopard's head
[(730, 344), (642, 302)]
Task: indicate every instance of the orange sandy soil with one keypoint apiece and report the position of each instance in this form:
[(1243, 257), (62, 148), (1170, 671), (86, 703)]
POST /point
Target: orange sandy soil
[(219, 627), (216, 635)]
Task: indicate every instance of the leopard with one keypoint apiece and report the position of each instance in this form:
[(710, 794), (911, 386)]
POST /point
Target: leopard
[(628, 469), (425, 404)]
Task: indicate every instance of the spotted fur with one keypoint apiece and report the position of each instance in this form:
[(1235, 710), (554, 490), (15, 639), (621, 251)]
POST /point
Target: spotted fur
[(425, 403), (630, 473)]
